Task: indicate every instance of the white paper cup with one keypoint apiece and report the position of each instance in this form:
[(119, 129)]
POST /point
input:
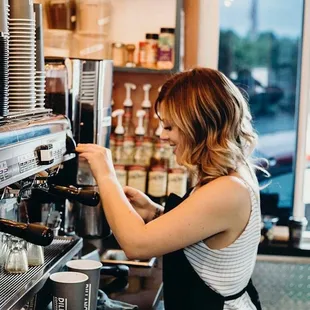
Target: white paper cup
[(68, 290)]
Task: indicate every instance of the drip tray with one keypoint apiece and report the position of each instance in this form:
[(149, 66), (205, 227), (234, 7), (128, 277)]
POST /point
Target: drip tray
[(17, 289), (118, 257)]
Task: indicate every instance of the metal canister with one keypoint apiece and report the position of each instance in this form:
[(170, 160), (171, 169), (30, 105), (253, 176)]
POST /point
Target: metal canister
[(91, 222)]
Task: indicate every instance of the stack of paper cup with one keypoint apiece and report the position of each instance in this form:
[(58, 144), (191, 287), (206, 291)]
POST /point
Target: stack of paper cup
[(40, 71), (4, 58), (21, 56)]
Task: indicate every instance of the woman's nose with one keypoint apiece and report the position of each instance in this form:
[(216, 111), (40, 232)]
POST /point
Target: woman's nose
[(164, 135)]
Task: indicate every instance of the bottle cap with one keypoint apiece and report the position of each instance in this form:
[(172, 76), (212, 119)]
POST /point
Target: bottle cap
[(153, 36), (118, 44), (166, 30)]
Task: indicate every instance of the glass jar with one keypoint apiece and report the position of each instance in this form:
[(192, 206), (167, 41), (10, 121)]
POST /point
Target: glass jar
[(61, 14), (118, 54), (94, 17), (151, 50), (57, 93), (130, 48), (142, 54), (166, 49)]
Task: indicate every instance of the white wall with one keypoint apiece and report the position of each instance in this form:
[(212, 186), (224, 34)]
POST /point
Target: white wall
[(132, 19), (208, 37)]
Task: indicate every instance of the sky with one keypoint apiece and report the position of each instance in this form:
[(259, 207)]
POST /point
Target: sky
[(283, 17)]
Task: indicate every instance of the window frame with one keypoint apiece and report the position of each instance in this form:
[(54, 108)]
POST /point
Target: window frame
[(300, 161)]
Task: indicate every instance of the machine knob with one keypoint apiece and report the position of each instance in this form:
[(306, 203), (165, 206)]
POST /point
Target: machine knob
[(45, 154), (70, 145)]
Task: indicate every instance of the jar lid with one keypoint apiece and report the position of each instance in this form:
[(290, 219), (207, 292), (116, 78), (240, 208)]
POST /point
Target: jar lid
[(118, 45), (167, 30), (98, 2), (130, 47), (154, 36)]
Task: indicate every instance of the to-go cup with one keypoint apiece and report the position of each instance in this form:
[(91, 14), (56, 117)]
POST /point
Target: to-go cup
[(68, 290), (92, 269), (297, 226)]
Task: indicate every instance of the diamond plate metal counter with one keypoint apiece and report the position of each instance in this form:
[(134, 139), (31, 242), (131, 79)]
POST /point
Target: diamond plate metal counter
[(283, 283)]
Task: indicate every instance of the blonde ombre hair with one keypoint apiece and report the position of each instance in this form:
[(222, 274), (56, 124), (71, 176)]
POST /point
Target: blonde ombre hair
[(213, 119)]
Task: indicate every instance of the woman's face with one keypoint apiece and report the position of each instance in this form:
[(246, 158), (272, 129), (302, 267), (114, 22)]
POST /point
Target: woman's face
[(172, 135)]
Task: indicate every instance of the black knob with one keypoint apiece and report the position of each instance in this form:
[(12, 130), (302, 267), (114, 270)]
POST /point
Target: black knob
[(45, 154)]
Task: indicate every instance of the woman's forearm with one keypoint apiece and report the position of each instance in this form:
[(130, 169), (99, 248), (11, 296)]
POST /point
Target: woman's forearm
[(156, 211), (127, 225)]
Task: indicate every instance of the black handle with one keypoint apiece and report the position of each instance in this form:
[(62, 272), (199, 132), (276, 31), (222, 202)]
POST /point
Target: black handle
[(84, 196), (117, 271), (117, 285), (34, 233), (70, 145)]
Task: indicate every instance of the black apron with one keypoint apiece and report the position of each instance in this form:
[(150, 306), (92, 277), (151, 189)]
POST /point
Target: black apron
[(183, 287)]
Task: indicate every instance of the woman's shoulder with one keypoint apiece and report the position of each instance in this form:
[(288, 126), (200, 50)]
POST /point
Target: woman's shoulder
[(229, 182), (231, 193)]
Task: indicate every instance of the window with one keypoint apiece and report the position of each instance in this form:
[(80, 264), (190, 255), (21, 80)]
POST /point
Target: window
[(260, 42)]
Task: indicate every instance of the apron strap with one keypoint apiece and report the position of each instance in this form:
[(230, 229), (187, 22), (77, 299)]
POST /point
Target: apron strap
[(252, 293), (235, 296)]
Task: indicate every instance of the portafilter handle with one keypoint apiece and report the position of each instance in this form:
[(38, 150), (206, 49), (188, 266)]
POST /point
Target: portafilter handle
[(33, 233), (84, 196)]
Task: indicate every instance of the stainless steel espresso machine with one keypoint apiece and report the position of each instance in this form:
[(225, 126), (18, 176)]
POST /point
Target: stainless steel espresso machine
[(44, 186), (33, 146), (86, 91)]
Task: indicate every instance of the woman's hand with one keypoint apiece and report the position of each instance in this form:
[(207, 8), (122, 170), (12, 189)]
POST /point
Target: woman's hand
[(145, 207), (99, 159)]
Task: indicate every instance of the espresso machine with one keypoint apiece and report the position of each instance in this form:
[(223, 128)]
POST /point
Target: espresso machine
[(34, 145), (83, 89), (48, 195)]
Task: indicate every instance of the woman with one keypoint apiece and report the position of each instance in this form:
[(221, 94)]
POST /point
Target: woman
[(209, 238)]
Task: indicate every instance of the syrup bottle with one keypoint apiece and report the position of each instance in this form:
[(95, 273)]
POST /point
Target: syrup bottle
[(177, 178), (146, 106), (129, 142), (137, 171), (158, 171), (119, 159)]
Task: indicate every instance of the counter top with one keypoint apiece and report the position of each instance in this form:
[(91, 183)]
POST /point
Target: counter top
[(282, 248), (143, 286), (143, 282)]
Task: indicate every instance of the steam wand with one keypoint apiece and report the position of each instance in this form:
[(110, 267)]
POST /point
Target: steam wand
[(87, 197), (33, 233)]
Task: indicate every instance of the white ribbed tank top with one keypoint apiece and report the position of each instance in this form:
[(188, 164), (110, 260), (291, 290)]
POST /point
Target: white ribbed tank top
[(228, 270)]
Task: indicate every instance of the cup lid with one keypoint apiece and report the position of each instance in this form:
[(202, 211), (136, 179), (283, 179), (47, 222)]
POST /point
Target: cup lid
[(301, 220), (84, 264), (68, 277)]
